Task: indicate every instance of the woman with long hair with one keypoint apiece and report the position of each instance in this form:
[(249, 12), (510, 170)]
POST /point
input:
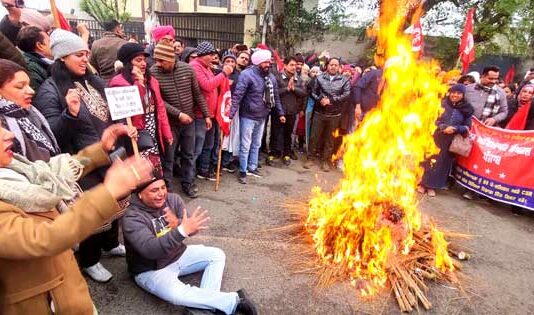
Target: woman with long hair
[(74, 103), (154, 123), (33, 137), (520, 111)]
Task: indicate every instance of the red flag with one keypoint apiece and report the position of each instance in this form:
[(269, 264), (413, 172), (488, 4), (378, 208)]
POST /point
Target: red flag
[(223, 107), (467, 45), (59, 20), (509, 77), (417, 38)]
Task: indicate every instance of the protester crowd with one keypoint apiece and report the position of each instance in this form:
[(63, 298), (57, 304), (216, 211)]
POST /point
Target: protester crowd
[(65, 176)]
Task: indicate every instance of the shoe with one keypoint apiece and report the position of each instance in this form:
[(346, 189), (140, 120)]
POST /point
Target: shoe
[(255, 173), (119, 251), (293, 155), (98, 273), (245, 305), (230, 168), (431, 192), (286, 160), (242, 177), (259, 166), (469, 195), (190, 190), (325, 167), (269, 160), (308, 164), (207, 176)]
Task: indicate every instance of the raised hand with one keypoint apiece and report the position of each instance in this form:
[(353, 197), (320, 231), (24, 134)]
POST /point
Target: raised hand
[(73, 102), (171, 218), (124, 176), (195, 223), (113, 132)]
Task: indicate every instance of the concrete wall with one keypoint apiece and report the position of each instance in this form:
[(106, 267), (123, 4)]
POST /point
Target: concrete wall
[(350, 48)]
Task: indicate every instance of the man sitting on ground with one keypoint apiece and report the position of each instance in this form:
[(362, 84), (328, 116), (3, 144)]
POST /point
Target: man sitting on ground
[(157, 256)]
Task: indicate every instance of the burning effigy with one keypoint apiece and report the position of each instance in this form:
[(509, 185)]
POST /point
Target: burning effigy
[(369, 228)]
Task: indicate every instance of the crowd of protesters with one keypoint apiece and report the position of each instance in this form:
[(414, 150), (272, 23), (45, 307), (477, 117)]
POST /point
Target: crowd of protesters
[(57, 140)]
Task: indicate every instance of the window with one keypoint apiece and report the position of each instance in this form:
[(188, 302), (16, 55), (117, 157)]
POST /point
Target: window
[(214, 3)]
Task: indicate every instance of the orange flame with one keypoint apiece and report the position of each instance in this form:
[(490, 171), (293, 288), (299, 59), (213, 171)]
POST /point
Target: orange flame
[(372, 214)]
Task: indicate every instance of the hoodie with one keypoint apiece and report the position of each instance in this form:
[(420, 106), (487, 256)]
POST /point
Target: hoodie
[(150, 245), (186, 53)]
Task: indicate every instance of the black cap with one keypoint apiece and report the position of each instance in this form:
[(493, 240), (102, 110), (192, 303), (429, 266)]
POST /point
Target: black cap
[(129, 51)]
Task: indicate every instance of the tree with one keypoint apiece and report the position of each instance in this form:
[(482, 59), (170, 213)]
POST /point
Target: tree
[(106, 10)]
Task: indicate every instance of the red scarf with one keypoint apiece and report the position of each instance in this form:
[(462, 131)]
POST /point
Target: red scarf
[(519, 120)]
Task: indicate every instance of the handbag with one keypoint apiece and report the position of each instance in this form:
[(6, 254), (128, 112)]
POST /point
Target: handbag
[(461, 145)]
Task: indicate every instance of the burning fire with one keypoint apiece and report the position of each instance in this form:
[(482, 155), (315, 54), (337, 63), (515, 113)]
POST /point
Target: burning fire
[(368, 223)]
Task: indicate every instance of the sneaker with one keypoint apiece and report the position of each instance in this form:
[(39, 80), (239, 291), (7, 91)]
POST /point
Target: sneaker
[(119, 251), (190, 190), (255, 173), (286, 160), (98, 273), (293, 155), (242, 177), (469, 195), (325, 167), (245, 306), (230, 168), (269, 160), (207, 176)]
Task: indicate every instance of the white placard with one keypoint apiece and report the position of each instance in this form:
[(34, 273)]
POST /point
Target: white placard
[(124, 101)]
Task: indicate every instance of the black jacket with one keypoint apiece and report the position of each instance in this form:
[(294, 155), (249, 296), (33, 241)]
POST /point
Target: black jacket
[(291, 100), (141, 225), (337, 90)]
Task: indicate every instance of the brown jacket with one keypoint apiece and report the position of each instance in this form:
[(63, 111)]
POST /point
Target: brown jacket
[(37, 265), (104, 54)]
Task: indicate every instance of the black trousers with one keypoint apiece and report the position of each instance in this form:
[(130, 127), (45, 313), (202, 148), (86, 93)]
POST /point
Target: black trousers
[(323, 127), (280, 141), (91, 248)]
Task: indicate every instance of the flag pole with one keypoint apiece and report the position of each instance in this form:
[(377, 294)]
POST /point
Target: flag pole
[(53, 9), (218, 178)]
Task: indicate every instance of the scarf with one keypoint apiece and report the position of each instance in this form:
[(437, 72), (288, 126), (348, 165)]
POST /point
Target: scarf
[(268, 92), (39, 186), (94, 102), (493, 102), (28, 128)]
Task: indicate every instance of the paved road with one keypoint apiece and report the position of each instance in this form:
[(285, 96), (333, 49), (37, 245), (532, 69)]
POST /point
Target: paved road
[(501, 272)]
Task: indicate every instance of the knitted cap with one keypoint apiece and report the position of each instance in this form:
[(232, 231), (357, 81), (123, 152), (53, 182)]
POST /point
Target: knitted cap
[(129, 51), (458, 88), (64, 43), (159, 31), (164, 52), (228, 54), (205, 48), (261, 55)]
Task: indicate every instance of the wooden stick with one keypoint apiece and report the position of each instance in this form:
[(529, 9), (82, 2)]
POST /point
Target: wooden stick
[(400, 301), (134, 142), (53, 9), (218, 178)]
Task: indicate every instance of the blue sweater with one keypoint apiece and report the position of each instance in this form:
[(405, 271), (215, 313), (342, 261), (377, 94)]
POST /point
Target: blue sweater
[(248, 95)]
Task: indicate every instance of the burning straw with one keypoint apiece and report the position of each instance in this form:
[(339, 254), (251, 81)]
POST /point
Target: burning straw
[(369, 229)]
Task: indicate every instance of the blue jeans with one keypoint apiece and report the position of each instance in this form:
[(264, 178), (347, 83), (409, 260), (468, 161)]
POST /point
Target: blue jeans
[(164, 283), (251, 132), (210, 151), (200, 135)]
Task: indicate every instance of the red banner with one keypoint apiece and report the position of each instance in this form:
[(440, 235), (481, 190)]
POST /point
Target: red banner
[(500, 165)]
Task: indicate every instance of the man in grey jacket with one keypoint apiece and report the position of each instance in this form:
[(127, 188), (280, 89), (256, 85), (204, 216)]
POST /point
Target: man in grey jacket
[(155, 225)]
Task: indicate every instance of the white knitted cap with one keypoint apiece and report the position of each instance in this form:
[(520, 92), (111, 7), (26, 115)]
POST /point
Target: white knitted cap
[(261, 55), (64, 43)]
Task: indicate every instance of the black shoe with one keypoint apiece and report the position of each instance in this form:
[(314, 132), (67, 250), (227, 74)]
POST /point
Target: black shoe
[(255, 173), (190, 190), (207, 176), (245, 305), (230, 168), (242, 177), (286, 160), (293, 155), (269, 160)]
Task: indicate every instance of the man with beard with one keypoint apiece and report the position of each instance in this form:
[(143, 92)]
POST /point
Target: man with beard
[(255, 95)]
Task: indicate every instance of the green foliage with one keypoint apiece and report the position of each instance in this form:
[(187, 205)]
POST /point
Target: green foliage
[(105, 10)]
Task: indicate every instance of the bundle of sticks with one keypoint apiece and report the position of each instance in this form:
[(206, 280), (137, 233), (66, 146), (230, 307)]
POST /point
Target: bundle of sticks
[(408, 274)]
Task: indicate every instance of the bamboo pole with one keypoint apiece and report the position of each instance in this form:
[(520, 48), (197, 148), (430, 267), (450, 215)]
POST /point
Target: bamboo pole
[(218, 178), (134, 142)]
